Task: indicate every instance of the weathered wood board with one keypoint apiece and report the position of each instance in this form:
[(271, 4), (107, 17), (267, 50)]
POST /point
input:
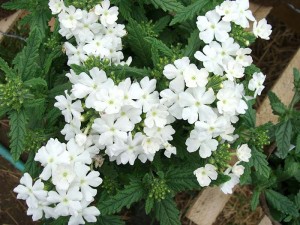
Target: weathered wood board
[(7, 23), (265, 221)]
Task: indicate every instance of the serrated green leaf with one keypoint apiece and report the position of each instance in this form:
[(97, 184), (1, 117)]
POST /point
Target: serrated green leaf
[(136, 39), (260, 163), (179, 179), (126, 197), (281, 203), (125, 7), (161, 24), (149, 205), (255, 200), (283, 136), (109, 220), (166, 212), (158, 44), (3, 111), (25, 61), (35, 82), (17, 4), (191, 11), (6, 69), (193, 44), (277, 106), (17, 122), (52, 116), (296, 73), (122, 72), (168, 5)]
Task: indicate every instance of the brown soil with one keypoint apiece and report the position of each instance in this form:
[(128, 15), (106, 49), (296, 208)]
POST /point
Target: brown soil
[(12, 211)]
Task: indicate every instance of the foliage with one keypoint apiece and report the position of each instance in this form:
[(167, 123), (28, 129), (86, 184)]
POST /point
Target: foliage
[(279, 178)]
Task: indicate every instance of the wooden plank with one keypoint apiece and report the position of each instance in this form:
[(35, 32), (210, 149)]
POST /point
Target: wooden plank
[(283, 88), (265, 221), (210, 203), (207, 206), (7, 23)]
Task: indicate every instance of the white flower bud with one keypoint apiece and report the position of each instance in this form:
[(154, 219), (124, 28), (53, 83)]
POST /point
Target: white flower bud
[(238, 170)]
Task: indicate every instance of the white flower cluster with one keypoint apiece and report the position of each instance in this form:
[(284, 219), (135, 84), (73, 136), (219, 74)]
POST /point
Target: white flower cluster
[(214, 113), (96, 32), (67, 167), (130, 120)]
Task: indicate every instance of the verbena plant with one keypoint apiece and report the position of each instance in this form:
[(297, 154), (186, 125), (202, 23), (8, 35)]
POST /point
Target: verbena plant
[(278, 187), (158, 90)]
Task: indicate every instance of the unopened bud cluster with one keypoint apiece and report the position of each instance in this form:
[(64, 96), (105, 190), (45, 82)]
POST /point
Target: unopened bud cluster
[(12, 94), (159, 189)]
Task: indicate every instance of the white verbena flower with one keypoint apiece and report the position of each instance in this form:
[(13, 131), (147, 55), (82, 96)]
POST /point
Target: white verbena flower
[(70, 17), (256, 83), (210, 26), (33, 193), (206, 174), (244, 153), (88, 213), (238, 170), (56, 6), (62, 176), (156, 116), (262, 29), (108, 16)]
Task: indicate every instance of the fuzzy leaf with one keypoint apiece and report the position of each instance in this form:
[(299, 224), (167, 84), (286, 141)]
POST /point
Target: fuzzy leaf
[(277, 106), (126, 197), (125, 7), (6, 69), (187, 13), (298, 144), (17, 122), (109, 220), (168, 5), (129, 71), (283, 135), (59, 90), (149, 205), (25, 61), (260, 163), (166, 212), (3, 111), (180, 179), (162, 47), (297, 200), (250, 116), (31, 166), (281, 203), (193, 44)]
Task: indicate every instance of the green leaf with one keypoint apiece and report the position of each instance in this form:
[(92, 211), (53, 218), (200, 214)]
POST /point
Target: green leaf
[(193, 44), (277, 106), (125, 8), (296, 73), (281, 203), (168, 5), (25, 61), (189, 12), (283, 136), (109, 220), (3, 111), (250, 115), (180, 179), (6, 69), (297, 150), (255, 199), (161, 24), (125, 71), (17, 122), (126, 197), (158, 44), (260, 163), (297, 200), (166, 212), (35, 82), (31, 166), (59, 90), (136, 39), (149, 205), (78, 69)]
